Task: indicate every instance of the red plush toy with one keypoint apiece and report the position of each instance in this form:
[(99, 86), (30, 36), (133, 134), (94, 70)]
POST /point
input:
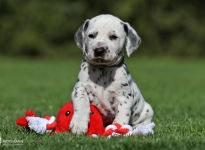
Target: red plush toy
[(95, 126), (41, 125)]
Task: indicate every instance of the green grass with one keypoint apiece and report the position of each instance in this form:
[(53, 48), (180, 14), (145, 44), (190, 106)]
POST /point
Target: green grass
[(174, 88)]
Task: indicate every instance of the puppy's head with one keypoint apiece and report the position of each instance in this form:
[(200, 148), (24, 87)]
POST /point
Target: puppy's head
[(103, 39)]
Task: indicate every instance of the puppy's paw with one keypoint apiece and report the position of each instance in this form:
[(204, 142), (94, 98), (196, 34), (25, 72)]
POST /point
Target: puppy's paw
[(78, 125)]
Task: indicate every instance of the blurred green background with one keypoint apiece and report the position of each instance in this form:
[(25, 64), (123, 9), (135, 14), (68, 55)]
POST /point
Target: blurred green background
[(38, 28)]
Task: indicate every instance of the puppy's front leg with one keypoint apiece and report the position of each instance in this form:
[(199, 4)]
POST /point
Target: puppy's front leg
[(81, 106), (124, 110)]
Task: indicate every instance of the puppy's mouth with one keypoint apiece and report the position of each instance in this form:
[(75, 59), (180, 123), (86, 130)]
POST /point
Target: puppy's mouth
[(99, 60), (103, 62)]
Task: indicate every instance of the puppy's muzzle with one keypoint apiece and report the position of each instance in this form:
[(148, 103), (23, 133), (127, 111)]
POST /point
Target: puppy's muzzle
[(99, 52)]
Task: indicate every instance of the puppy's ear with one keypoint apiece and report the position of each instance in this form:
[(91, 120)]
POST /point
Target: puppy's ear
[(132, 39), (80, 35)]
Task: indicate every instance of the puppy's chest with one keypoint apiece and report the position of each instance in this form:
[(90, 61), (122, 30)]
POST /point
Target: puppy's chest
[(101, 76), (104, 82), (101, 82)]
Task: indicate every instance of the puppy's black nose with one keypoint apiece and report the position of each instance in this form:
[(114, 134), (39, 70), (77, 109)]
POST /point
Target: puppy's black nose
[(99, 51)]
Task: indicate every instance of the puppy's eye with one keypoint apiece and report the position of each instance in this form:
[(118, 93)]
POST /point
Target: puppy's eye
[(91, 36), (113, 37)]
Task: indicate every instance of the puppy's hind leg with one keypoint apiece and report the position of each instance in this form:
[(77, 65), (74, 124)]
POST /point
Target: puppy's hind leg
[(145, 116)]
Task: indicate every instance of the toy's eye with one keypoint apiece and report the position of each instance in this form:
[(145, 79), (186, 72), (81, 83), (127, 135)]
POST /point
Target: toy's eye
[(91, 112), (67, 113)]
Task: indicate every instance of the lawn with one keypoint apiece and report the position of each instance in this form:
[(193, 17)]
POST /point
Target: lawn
[(175, 89)]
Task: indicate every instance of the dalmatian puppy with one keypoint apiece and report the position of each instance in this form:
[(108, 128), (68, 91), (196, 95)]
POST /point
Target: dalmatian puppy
[(104, 80)]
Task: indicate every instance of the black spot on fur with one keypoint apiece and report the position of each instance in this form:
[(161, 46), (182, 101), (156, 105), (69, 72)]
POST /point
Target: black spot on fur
[(86, 26), (125, 84), (83, 65), (125, 28), (137, 115), (112, 101), (147, 110), (132, 112), (138, 100), (111, 72), (127, 72), (86, 49), (113, 108), (75, 94)]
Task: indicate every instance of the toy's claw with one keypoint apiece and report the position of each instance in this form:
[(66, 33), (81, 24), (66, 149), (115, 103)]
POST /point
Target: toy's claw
[(111, 129), (51, 122), (116, 129), (22, 122), (124, 129), (30, 113)]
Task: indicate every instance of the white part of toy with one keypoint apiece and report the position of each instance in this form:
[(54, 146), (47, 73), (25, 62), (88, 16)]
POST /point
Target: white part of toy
[(52, 119), (94, 135), (144, 129), (140, 130), (38, 124), (110, 127)]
